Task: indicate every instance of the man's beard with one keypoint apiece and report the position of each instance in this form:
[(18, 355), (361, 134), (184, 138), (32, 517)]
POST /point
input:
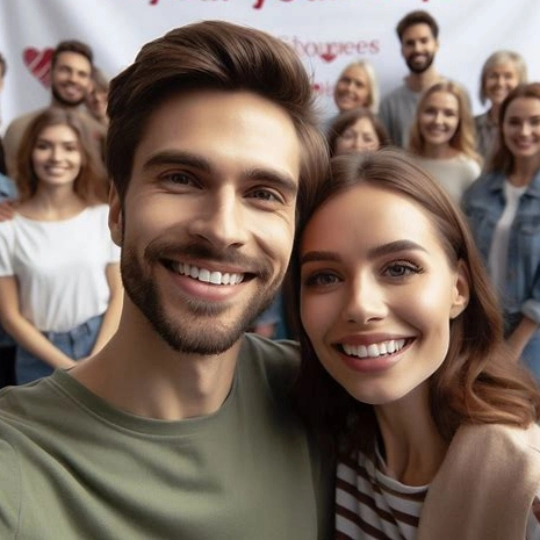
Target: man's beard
[(63, 101), (193, 333), (418, 69)]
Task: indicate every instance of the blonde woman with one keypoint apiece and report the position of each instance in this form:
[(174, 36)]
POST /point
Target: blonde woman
[(442, 138), (501, 73)]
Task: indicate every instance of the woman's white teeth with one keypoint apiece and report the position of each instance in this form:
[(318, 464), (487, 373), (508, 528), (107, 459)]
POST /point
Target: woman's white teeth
[(375, 349), (204, 275)]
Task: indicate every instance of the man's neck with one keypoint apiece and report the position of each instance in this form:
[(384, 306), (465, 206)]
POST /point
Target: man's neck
[(139, 373), (418, 82)]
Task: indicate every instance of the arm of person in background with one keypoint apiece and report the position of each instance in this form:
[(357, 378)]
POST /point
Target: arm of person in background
[(112, 315), (518, 339), (23, 331)]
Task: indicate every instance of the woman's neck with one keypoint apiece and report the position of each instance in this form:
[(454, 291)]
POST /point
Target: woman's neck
[(524, 171), (53, 204), (439, 151), (413, 446)]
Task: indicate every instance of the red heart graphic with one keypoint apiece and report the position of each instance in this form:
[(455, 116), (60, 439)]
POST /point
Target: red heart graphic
[(316, 87), (328, 57), (39, 64)]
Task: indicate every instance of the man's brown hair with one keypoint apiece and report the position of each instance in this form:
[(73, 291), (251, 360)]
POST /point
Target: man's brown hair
[(74, 46), (417, 17), (220, 56)]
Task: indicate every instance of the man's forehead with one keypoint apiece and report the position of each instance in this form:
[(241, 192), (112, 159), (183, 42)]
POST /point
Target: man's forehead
[(417, 30), (73, 57)]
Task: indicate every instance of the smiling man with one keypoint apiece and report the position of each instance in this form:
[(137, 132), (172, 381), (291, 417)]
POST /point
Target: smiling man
[(71, 81), (418, 33), (182, 427)]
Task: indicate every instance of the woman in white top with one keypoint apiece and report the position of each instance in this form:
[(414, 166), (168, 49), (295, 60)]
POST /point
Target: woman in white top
[(442, 138), (404, 368), (59, 271), (501, 73), (503, 208)]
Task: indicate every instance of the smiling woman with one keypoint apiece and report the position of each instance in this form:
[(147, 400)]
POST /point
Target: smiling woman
[(442, 138), (402, 344), (59, 278)]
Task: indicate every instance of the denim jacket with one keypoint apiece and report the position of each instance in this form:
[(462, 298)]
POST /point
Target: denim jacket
[(483, 204)]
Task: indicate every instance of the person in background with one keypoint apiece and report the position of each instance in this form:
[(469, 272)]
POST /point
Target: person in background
[(96, 99), (404, 366), (356, 130), (3, 70), (60, 280), (357, 87), (442, 138), (503, 207), (71, 80), (501, 73), (418, 34)]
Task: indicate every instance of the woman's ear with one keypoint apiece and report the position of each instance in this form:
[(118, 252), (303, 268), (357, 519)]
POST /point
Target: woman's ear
[(461, 293)]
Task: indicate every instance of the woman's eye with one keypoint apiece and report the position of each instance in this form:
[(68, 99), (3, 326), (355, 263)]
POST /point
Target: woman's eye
[(401, 270), (321, 279)]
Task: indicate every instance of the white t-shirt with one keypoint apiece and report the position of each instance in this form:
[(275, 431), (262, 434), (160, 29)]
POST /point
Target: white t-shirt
[(60, 267), (498, 253)]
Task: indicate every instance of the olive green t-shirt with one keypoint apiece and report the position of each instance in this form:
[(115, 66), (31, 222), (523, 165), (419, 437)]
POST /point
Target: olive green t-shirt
[(73, 467)]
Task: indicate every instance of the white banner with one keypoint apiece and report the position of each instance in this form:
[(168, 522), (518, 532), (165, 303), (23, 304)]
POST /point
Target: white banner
[(328, 34)]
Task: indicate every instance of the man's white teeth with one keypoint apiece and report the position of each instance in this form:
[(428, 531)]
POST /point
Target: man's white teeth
[(204, 275), (375, 349)]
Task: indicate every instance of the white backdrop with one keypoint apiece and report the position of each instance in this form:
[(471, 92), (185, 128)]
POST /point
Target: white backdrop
[(328, 34)]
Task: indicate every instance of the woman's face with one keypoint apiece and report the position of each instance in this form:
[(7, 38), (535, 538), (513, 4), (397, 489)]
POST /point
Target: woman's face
[(56, 156), (438, 118), (352, 89), (521, 127), (358, 137), (377, 293), (96, 102), (499, 81)]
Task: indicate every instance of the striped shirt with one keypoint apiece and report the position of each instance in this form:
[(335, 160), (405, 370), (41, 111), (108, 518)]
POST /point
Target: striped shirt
[(373, 505)]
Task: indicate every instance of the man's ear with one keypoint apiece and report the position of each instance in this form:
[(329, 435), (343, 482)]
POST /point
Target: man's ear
[(461, 294), (116, 218)]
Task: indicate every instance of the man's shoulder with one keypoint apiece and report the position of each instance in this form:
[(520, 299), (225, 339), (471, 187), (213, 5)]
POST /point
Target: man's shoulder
[(278, 361)]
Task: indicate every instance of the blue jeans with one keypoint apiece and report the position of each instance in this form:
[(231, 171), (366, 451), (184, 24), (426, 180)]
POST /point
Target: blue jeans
[(531, 353), (77, 343)]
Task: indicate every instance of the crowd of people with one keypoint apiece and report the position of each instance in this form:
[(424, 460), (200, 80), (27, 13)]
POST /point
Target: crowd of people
[(144, 267)]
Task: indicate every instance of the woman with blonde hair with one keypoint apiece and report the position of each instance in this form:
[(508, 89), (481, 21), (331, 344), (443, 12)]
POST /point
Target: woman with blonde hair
[(501, 73), (59, 270), (357, 87), (442, 138)]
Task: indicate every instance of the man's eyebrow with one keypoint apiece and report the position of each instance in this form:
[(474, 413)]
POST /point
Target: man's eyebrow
[(373, 253), (270, 176), (273, 177), (174, 157)]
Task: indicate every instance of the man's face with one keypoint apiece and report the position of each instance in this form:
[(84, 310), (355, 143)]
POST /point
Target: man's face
[(71, 79), (418, 47), (208, 220)]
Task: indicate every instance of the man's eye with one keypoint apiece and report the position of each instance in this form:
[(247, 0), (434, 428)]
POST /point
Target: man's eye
[(179, 178), (265, 195)]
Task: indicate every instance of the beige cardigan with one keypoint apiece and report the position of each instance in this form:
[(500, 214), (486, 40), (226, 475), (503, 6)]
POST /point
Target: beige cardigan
[(485, 487)]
